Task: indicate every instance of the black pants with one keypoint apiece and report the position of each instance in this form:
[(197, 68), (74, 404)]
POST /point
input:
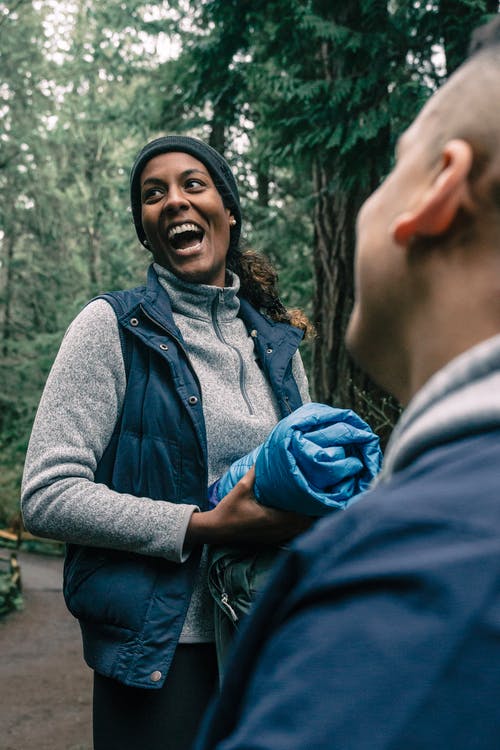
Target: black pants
[(127, 718)]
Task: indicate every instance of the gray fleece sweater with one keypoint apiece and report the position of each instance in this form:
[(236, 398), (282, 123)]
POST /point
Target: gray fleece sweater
[(81, 404)]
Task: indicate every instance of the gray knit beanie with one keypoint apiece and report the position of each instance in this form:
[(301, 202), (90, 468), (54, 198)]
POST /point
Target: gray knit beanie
[(217, 166)]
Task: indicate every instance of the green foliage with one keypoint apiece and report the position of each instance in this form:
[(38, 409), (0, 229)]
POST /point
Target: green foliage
[(320, 92), (10, 585), (66, 232), (305, 97)]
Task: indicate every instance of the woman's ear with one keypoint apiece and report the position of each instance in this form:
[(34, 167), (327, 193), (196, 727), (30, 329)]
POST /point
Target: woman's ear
[(440, 203)]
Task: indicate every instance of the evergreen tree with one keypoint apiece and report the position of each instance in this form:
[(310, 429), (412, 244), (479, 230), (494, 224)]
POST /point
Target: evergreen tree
[(320, 91), (70, 130), (305, 98)]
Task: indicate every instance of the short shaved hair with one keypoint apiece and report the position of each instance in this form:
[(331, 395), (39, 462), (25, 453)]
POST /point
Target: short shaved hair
[(485, 37), (467, 107)]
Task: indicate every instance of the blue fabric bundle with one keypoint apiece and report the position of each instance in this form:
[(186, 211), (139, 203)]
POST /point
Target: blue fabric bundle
[(314, 461)]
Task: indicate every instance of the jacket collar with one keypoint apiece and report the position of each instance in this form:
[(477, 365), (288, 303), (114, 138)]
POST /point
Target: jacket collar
[(267, 333), (157, 304), (460, 399)]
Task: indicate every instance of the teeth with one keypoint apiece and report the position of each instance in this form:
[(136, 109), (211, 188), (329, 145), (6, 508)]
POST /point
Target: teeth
[(182, 228)]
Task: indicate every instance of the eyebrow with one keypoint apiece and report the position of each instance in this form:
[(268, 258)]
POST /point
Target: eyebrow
[(186, 173)]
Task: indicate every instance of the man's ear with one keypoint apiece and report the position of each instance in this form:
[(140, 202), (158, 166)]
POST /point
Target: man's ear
[(440, 203)]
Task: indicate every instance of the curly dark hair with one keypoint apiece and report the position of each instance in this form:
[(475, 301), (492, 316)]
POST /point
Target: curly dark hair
[(259, 285)]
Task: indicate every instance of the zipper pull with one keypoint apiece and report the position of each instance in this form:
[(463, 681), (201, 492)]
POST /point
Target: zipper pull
[(225, 602)]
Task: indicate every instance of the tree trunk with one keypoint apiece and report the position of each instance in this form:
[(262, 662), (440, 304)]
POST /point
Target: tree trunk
[(94, 251), (8, 294), (262, 187), (334, 218), (217, 138), (335, 377), (221, 118)]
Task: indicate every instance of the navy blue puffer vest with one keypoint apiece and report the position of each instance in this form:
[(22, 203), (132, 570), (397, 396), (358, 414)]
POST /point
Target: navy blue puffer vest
[(132, 607)]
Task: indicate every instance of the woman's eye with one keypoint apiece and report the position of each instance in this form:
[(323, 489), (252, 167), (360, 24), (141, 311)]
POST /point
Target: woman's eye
[(150, 194), (194, 183)]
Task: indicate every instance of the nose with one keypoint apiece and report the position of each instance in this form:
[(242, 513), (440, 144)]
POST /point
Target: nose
[(176, 199)]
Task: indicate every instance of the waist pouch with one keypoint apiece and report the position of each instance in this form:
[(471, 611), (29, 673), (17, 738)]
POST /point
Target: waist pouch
[(236, 576)]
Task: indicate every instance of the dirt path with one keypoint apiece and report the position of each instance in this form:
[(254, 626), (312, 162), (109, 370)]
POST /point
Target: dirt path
[(45, 687)]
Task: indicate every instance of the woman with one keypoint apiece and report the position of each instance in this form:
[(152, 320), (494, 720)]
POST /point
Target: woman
[(154, 392)]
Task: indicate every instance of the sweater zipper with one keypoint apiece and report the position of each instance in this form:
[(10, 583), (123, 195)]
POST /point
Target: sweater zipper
[(215, 305), (227, 607)]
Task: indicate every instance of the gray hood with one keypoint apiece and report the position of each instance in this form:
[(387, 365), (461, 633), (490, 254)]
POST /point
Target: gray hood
[(460, 399)]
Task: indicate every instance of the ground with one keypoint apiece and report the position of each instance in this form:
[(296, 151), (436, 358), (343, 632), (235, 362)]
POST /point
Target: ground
[(46, 688)]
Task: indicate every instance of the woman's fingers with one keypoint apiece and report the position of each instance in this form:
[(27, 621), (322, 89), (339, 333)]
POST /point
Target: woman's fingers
[(239, 518)]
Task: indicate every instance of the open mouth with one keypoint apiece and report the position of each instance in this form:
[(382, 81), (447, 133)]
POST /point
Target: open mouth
[(185, 236)]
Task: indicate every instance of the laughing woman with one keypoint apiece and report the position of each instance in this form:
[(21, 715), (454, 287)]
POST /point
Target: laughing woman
[(154, 393)]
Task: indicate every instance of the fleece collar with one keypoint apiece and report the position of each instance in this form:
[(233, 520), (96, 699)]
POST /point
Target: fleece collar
[(197, 300)]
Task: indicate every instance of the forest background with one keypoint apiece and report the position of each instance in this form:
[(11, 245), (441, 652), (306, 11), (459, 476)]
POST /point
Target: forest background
[(304, 97)]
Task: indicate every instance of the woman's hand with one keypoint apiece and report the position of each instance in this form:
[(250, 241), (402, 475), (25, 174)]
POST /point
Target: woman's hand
[(239, 518)]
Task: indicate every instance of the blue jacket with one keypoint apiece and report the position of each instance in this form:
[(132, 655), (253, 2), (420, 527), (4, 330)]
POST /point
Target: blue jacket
[(380, 628), (132, 607)]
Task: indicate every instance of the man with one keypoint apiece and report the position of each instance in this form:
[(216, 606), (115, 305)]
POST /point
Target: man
[(381, 627)]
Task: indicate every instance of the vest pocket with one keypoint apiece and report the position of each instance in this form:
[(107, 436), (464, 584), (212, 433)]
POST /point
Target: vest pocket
[(79, 565), (109, 586)]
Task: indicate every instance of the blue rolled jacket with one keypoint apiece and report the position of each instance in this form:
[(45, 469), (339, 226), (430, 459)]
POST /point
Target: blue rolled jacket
[(132, 607)]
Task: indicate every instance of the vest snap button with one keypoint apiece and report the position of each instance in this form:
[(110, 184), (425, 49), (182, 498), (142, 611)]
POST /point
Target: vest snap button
[(155, 676), (269, 350), (253, 333), (192, 400), (164, 347), (134, 322)]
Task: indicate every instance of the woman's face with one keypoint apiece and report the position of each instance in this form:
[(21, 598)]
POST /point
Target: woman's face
[(184, 220)]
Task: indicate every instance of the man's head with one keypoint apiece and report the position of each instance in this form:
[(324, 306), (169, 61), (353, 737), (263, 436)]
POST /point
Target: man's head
[(427, 266)]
